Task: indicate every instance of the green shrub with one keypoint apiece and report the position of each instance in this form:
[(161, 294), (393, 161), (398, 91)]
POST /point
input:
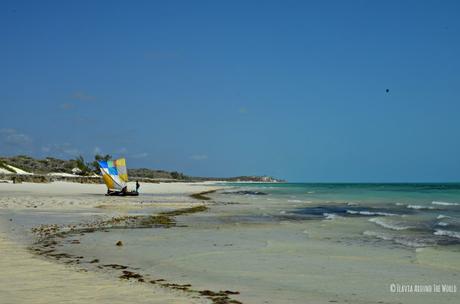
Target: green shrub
[(84, 167)]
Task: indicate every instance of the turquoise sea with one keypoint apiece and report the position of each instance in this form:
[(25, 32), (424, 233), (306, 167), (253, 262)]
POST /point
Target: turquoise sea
[(413, 214)]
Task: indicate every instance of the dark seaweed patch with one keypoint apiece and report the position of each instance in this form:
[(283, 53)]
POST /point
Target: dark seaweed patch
[(115, 266), (245, 192), (130, 275), (202, 195)]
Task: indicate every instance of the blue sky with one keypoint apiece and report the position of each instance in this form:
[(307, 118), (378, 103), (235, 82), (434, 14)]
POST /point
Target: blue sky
[(294, 89)]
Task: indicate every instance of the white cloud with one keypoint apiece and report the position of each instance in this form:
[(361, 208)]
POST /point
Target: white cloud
[(71, 151), (62, 150), (13, 137), (82, 96), (199, 157), (140, 155)]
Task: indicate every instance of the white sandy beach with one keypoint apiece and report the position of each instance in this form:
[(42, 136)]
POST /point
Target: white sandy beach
[(27, 278)]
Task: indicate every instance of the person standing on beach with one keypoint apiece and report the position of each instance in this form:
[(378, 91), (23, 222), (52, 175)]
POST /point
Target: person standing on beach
[(137, 186)]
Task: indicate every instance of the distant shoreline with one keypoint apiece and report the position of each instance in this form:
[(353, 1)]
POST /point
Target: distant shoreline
[(24, 168)]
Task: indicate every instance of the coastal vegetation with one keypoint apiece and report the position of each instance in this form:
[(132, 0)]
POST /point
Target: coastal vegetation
[(79, 166), (40, 166), (83, 168)]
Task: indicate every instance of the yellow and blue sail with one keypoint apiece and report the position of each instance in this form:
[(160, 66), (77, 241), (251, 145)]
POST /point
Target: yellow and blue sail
[(114, 173)]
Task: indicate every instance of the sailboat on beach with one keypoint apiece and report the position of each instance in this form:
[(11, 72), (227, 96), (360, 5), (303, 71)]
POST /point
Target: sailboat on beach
[(115, 176)]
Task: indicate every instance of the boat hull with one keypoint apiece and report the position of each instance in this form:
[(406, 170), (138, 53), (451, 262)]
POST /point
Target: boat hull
[(121, 193)]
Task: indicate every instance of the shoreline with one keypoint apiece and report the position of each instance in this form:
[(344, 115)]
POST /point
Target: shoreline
[(233, 246)]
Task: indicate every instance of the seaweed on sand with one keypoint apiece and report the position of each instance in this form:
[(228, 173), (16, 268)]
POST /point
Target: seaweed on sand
[(158, 221), (202, 195), (166, 219), (49, 235), (220, 297), (184, 211)]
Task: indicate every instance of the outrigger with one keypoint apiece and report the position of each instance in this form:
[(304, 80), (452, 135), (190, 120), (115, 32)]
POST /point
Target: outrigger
[(115, 176)]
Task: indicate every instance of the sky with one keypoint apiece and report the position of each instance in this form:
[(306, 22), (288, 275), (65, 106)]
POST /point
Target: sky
[(292, 89)]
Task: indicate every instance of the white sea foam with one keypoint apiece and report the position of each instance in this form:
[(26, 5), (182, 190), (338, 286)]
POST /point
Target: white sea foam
[(379, 235), (445, 204), (443, 224), (410, 243), (453, 234), (330, 216), (385, 224), (370, 213), (294, 201), (419, 207), (441, 216), (398, 240)]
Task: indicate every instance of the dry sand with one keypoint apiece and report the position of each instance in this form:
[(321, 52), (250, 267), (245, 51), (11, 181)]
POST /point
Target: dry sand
[(26, 278)]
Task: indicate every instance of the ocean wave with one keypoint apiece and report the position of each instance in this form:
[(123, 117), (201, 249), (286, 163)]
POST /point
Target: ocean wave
[(393, 226), (418, 207), (441, 216), (379, 235), (330, 216), (443, 224), (398, 240), (453, 234), (345, 211), (370, 213), (294, 201), (445, 204)]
